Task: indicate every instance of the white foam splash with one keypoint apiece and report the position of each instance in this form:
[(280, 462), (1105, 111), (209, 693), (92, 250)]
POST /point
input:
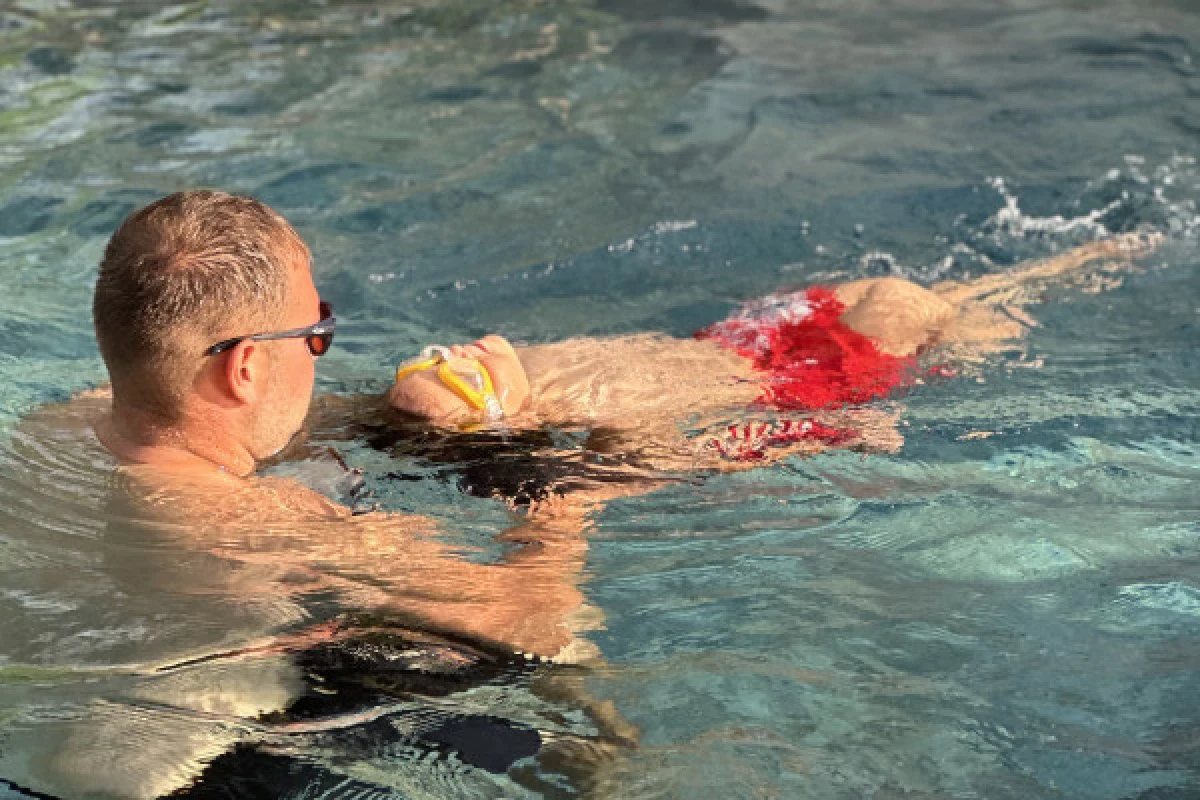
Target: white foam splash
[(1012, 221), (868, 260), (1160, 199), (933, 272), (656, 230), (674, 226)]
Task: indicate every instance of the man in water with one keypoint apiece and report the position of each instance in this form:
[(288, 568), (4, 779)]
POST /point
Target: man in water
[(210, 325)]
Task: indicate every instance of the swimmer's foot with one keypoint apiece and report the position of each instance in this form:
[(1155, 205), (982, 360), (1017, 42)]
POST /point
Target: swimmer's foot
[(990, 310)]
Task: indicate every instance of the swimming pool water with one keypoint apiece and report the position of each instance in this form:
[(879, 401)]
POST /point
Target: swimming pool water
[(1007, 608)]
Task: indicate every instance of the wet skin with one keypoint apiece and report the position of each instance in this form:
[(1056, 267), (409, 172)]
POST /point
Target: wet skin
[(652, 386), (192, 489)]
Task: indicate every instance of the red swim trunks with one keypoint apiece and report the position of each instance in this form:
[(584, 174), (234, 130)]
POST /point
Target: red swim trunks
[(810, 360)]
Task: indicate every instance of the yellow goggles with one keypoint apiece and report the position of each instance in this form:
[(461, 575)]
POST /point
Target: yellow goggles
[(473, 385)]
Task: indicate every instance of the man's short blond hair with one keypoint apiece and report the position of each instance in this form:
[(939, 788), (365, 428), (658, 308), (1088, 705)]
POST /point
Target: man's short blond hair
[(182, 273)]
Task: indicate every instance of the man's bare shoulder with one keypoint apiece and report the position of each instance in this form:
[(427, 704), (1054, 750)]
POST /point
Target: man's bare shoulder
[(169, 495)]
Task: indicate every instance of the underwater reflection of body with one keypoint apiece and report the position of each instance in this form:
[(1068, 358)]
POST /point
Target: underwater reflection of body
[(388, 710), (227, 658)]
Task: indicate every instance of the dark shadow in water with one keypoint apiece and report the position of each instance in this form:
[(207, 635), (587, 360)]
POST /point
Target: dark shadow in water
[(521, 467), (20, 791), (50, 60), (672, 49), (377, 669), (368, 671)]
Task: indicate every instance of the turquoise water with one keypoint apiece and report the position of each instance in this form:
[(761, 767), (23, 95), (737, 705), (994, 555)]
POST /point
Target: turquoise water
[(1016, 616)]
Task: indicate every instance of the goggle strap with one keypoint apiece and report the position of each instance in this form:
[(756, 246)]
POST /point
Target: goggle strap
[(484, 399), (416, 365), (473, 397)]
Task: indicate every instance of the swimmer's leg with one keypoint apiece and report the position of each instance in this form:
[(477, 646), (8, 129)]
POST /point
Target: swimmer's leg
[(977, 316), (1024, 283), (990, 309)]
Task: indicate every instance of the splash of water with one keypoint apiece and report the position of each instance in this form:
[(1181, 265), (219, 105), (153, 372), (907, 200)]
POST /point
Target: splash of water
[(1011, 221)]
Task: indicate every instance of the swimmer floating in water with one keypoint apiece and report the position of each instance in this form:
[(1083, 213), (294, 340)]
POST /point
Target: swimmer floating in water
[(792, 373), (210, 325)]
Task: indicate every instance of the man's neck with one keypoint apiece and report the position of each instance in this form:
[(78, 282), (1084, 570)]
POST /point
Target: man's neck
[(135, 438)]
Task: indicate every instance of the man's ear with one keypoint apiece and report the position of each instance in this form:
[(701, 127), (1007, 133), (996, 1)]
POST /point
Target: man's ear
[(246, 371)]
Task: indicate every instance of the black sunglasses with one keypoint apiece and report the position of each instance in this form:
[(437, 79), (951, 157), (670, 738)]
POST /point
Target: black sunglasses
[(318, 336)]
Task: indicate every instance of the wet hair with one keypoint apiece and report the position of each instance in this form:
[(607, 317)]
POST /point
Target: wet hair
[(180, 274), (522, 467)]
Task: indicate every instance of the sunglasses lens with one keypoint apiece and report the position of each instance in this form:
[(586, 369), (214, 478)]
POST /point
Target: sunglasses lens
[(319, 343)]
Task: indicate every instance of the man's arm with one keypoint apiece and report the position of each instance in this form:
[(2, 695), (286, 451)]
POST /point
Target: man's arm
[(395, 563)]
